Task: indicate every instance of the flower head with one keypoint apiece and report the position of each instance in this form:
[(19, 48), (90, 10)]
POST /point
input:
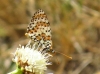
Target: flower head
[(31, 59)]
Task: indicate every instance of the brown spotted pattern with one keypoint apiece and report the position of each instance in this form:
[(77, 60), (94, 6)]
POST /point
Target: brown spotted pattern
[(39, 30)]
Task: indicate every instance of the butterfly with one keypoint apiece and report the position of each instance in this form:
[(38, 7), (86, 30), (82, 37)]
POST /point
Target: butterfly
[(40, 32)]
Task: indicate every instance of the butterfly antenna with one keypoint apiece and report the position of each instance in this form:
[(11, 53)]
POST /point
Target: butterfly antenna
[(64, 55)]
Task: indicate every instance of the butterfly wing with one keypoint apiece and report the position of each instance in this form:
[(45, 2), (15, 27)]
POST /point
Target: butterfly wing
[(39, 30)]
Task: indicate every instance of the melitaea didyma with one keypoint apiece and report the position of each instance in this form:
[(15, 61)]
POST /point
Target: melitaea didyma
[(39, 30)]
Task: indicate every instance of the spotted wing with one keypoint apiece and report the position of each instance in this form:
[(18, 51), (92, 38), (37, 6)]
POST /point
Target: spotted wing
[(39, 29)]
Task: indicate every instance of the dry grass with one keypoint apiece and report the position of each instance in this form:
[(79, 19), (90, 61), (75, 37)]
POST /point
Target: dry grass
[(75, 31)]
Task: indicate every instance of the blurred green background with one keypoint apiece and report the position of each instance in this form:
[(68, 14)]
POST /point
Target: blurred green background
[(75, 28)]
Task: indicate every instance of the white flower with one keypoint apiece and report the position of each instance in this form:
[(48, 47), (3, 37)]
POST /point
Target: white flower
[(31, 59)]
